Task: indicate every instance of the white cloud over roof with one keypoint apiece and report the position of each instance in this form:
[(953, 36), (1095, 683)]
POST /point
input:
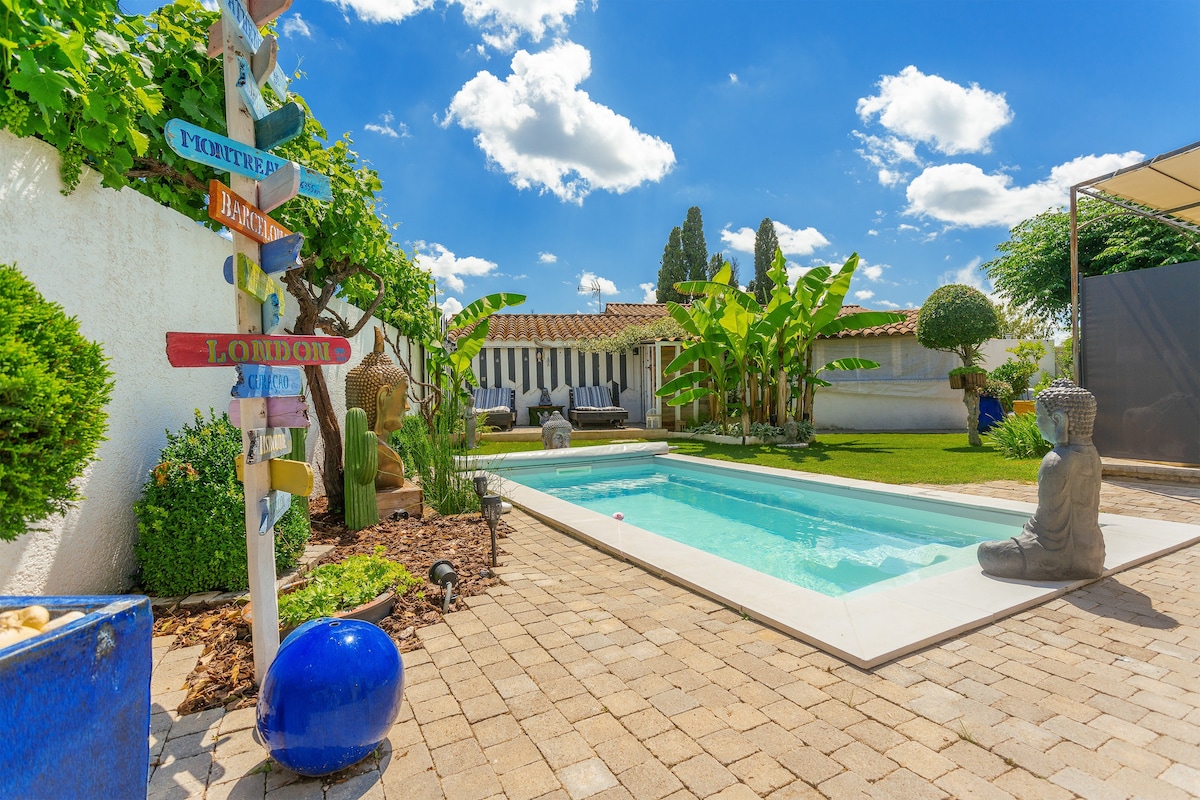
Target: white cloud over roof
[(792, 241), (964, 195), (542, 131), (447, 267), (941, 114)]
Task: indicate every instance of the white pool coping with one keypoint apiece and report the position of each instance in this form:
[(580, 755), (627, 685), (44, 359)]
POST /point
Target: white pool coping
[(864, 628)]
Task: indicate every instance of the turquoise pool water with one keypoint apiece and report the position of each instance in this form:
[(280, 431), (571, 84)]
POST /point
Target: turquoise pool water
[(829, 539)]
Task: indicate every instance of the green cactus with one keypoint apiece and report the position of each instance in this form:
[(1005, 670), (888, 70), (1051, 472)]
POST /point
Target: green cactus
[(361, 462)]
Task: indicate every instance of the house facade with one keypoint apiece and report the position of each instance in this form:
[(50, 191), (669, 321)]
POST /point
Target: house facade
[(909, 391)]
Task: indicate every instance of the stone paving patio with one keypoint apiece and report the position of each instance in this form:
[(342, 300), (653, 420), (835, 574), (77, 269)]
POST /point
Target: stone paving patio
[(585, 677)]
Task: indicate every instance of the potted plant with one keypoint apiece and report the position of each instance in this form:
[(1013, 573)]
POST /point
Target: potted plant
[(968, 377), (360, 587)]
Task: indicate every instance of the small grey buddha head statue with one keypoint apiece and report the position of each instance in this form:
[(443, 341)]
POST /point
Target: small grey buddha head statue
[(1066, 413)]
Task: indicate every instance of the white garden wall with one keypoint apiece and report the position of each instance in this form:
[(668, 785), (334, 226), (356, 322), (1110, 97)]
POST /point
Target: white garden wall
[(130, 270)]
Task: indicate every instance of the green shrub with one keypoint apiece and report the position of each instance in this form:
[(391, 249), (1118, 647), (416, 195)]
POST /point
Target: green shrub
[(1018, 437), (191, 516), (957, 319), (411, 442), (54, 385), (342, 586), (446, 489)]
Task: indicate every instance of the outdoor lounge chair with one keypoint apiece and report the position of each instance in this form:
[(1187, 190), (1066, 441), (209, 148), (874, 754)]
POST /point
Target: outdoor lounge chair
[(498, 403), (593, 405)]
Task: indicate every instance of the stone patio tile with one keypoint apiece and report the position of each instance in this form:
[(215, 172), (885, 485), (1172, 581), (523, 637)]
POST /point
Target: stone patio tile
[(407, 761), (704, 775), (624, 702), (473, 784), (562, 751), (672, 747), (1086, 785), (453, 758), (698, 722), (623, 752), (480, 708), (579, 707), (796, 790), (187, 775), (249, 787), (761, 773), (530, 705), (445, 731), (586, 778), (650, 781), (546, 726), (773, 739), (727, 745), (673, 701), (530, 781), (1024, 786), (961, 783), (823, 736)]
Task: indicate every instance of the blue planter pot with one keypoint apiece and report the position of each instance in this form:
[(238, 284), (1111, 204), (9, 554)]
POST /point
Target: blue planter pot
[(76, 701), (330, 696), (991, 413)]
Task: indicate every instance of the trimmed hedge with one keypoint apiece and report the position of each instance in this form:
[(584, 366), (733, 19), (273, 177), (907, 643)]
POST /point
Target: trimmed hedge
[(54, 385), (191, 516)]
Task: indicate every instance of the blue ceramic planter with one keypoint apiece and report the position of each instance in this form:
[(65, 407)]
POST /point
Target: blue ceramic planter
[(991, 413), (75, 702), (330, 696)]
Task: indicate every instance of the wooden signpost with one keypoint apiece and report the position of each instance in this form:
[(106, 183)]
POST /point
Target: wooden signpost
[(293, 477), (273, 506), (231, 349), (282, 412), (229, 209), (280, 186), (269, 376), (258, 380), (212, 149), (264, 444)]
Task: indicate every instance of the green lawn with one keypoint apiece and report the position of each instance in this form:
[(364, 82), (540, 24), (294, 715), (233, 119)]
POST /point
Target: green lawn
[(942, 458)]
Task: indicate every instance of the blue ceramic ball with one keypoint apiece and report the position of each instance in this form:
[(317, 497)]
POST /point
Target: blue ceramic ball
[(330, 696)]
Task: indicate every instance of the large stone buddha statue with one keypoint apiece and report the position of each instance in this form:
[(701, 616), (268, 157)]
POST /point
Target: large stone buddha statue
[(1062, 540)]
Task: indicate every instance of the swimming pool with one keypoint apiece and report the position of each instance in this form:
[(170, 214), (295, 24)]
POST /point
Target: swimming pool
[(867, 626), (828, 539)]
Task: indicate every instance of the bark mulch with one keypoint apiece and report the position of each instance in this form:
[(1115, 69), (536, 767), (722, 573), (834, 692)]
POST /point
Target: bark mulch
[(224, 674)]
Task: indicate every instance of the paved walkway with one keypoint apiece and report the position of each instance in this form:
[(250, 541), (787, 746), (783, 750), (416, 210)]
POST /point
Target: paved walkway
[(585, 677)]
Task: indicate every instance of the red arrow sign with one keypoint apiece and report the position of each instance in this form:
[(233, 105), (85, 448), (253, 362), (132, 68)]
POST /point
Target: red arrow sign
[(229, 349)]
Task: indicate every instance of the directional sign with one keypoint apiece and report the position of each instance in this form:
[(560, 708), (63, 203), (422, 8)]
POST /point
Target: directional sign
[(280, 186), (272, 313), (232, 349), (248, 36), (273, 506), (261, 11), (263, 63), (257, 380), (205, 147), (252, 280), (281, 125), (282, 412), (248, 91), (264, 444), (229, 209), (281, 254), (295, 477)]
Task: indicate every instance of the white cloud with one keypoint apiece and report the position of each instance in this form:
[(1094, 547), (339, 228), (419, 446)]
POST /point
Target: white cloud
[(733, 78), (294, 25), (447, 267), (541, 130), (948, 117), (588, 281), (502, 22), (969, 275), (872, 232), (386, 129), (384, 10), (547, 258), (450, 307), (649, 292), (887, 154), (863, 294), (887, 304), (963, 194), (792, 241), (872, 272)]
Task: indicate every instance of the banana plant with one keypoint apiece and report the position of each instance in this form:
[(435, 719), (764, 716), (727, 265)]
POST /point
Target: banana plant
[(449, 361)]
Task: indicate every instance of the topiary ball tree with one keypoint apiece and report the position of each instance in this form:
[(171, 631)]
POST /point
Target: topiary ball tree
[(54, 385), (959, 319)]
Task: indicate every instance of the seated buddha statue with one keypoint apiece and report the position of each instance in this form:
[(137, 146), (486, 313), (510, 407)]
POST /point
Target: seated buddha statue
[(1062, 540)]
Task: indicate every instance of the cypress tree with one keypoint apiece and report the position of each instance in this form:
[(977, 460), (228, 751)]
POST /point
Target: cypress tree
[(765, 245), (672, 269), (695, 252)]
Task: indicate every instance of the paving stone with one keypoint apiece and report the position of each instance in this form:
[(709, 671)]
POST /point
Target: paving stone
[(704, 775), (529, 781), (512, 754), (761, 773), (473, 784), (623, 752), (586, 778), (728, 745), (562, 751)]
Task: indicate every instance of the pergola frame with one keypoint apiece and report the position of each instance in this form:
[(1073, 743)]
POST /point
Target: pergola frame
[(1165, 188)]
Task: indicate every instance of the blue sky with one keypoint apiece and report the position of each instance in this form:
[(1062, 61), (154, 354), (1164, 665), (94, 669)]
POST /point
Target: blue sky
[(537, 146)]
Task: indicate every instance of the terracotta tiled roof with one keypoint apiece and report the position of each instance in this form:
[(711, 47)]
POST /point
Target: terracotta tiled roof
[(617, 316)]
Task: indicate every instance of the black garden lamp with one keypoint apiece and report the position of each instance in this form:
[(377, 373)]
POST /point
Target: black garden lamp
[(480, 482), (490, 504), (442, 573)]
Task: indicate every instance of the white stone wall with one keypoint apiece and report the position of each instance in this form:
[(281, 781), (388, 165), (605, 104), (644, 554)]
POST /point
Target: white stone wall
[(130, 270)]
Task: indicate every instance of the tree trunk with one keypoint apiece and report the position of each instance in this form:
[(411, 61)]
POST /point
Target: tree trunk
[(780, 396), (331, 435), (971, 401), (745, 409)]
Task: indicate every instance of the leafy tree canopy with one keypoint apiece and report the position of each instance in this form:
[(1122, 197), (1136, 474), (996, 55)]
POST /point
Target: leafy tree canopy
[(1034, 268), (958, 319)]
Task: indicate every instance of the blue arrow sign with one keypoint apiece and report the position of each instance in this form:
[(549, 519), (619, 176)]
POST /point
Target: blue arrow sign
[(247, 33), (248, 90), (258, 380), (205, 147)]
